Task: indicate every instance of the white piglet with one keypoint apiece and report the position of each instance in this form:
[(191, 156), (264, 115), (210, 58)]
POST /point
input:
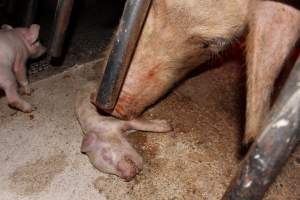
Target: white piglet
[(16, 46)]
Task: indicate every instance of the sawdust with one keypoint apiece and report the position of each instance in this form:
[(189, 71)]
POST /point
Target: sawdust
[(35, 176)]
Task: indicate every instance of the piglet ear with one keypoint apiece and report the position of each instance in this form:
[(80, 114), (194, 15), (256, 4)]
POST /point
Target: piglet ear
[(33, 33), (88, 142), (6, 27)]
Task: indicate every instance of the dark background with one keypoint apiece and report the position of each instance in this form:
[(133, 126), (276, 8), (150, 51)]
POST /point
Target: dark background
[(91, 27)]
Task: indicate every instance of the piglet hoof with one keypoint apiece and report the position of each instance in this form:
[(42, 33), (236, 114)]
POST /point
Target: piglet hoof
[(111, 153), (21, 105), (27, 108), (161, 126), (25, 90), (248, 139)]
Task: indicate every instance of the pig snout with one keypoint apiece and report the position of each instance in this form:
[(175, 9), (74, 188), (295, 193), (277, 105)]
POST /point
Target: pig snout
[(38, 51), (112, 154)]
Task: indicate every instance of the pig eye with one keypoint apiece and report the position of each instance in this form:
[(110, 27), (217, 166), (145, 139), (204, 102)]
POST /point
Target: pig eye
[(220, 43), (205, 45), (196, 40)]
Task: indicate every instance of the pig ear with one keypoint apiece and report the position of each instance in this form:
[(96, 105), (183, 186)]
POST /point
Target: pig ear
[(33, 33), (6, 27), (88, 142)]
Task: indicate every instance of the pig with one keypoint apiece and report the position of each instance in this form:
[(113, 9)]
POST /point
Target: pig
[(17, 45), (180, 35), (104, 136)]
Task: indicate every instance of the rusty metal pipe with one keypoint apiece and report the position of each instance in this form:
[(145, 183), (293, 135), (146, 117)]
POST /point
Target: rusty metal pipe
[(272, 149), (62, 18), (124, 44)]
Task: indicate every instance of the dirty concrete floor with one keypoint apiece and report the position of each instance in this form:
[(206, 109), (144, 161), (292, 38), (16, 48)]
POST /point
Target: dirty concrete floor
[(40, 152)]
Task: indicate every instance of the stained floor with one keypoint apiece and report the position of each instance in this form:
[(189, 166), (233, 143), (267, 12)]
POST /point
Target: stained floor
[(40, 152)]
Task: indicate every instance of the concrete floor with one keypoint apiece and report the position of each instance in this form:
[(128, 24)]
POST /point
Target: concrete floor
[(40, 152)]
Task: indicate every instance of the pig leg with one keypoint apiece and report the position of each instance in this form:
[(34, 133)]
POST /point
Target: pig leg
[(20, 72), (274, 30), (9, 85), (149, 125)]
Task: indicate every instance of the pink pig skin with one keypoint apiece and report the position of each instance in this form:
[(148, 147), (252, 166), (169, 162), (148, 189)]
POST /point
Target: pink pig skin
[(16, 46)]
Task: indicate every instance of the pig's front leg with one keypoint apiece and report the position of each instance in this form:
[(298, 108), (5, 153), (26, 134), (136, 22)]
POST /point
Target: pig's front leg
[(274, 30), (9, 85), (21, 76), (104, 141)]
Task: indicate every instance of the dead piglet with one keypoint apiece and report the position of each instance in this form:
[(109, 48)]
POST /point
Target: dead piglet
[(16, 46), (104, 141)]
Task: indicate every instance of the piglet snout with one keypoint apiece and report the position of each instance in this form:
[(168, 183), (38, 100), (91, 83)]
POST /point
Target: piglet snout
[(128, 169)]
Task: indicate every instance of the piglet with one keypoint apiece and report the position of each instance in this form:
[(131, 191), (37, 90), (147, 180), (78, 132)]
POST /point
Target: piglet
[(16, 46), (104, 136)]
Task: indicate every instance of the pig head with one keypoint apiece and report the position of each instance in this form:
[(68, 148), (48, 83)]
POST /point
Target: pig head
[(179, 35)]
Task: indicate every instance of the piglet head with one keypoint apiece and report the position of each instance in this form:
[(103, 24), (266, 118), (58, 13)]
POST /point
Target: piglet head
[(31, 36), (111, 153)]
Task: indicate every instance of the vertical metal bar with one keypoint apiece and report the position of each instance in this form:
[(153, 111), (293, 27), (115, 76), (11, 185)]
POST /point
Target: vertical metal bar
[(61, 22), (11, 6), (30, 12), (272, 149), (3, 3), (126, 39)]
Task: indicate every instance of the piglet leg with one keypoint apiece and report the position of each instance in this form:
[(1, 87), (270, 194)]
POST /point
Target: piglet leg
[(9, 85), (21, 76), (274, 30), (104, 141)]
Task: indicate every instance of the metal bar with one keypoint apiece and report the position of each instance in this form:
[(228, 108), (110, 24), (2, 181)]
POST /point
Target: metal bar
[(272, 149), (124, 44), (11, 6), (30, 12), (61, 22)]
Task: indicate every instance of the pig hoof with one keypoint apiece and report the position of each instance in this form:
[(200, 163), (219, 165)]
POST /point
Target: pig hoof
[(248, 139), (27, 109), (25, 90), (161, 126), (22, 106)]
